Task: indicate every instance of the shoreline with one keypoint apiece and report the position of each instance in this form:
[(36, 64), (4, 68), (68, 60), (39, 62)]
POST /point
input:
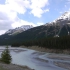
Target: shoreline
[(40, 49), (59, 60), (54, 56), (63, 65), (13, 67), (63, 60)]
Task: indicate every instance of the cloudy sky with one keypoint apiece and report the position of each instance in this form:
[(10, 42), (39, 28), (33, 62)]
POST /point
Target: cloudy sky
[(15, 13)]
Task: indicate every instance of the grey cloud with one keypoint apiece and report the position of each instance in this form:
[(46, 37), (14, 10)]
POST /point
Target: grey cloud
[(3, 16), (5, 25), (5, 21)]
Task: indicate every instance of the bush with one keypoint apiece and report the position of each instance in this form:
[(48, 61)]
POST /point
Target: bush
[(5, 56)]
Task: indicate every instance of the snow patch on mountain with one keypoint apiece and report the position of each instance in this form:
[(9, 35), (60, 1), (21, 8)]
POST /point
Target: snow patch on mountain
[(62, 20), (65, 16), (19, 29)]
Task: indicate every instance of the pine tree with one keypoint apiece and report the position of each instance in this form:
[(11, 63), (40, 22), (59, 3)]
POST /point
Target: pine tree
[(5, 56)]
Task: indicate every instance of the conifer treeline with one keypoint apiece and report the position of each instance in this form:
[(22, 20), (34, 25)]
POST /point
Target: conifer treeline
[(51, 43)]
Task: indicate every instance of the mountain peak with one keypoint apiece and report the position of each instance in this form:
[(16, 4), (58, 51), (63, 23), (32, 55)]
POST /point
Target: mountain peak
[(19, 29), (62, 20), (66, 15)]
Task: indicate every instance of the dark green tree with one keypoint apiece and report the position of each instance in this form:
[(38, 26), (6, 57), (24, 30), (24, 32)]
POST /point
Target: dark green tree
[(5, 56)]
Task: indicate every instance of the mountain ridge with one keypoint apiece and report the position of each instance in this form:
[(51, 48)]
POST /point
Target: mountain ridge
[(58, 29), (18, 29)]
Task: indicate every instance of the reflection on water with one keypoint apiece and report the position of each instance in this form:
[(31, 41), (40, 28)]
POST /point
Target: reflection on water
[(22, 56)]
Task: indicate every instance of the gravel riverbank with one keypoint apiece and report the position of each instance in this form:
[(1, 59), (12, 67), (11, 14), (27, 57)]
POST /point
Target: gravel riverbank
[(13, 67)]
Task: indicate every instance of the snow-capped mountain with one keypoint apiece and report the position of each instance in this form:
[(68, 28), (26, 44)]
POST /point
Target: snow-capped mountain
[(62, 20), (65, 16), (19, 29)]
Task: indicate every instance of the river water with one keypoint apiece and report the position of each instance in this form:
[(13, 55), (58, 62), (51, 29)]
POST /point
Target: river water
[(27, 57)]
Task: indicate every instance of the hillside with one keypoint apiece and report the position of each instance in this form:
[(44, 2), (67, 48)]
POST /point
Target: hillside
[(58, 28)]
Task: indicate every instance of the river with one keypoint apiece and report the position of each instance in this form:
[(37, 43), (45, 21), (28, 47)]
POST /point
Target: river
[(33, 59)]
